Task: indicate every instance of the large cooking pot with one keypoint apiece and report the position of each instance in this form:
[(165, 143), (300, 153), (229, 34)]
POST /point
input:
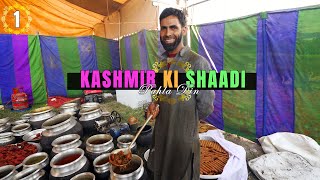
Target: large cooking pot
[(19, 121), (67, 164), (88, 118), (98, 144), (133, 171), (125, 140), (32, 173), (145, 138), (33, 136), (20, 130), (5, 127), (63, 143), (40, 159), (7, 172), (4, 120), (84, 176), (90, 105), (38, 116), (7, 138), (71, 108), (101, 166), (57, 126)]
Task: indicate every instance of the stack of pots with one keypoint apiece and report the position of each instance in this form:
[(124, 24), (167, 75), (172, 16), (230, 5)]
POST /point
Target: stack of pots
[(101, 166), (5, 126), (68, 164), (71, 108), (88, 118), (124, 141), (39, 116), (134, 170), (7, 138), (65, 142), (20, 130), (98, 144), (7, 172), (57, 126)]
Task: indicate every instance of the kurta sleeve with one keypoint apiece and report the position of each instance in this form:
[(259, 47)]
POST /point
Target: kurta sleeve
[(204, 98)]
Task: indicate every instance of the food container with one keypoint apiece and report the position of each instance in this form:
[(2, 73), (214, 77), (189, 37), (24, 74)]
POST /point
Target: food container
[(4, 121), (5, 127), (20, 130), (145, 138), (19, 121), (101, 166), (7, 172), (71, 108), (90, 105), (134, 170), (40, 115), (98, 144), (40, 159), (7, 138), (33, 136), (60, 125), (65, 142), (67, 164), (84, 176), (124, 142), (88, 118), (32, 173)]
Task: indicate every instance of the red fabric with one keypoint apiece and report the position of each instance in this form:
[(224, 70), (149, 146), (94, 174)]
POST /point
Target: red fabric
[(172, 55), (57, 101), (86, 92)]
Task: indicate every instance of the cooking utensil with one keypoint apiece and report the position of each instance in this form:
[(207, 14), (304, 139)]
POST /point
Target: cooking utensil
[(127, 151)]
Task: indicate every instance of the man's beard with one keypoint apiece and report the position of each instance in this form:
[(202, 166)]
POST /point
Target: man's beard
[(172, 46)]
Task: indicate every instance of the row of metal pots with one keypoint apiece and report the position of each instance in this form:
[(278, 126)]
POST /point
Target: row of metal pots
[(36, 119), (66, 149), (71, 164)]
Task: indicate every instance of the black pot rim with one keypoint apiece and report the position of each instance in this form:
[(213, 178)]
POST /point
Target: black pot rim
[(146, 129)]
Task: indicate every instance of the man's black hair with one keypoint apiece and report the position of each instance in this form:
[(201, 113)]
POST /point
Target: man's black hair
[(174, 12)]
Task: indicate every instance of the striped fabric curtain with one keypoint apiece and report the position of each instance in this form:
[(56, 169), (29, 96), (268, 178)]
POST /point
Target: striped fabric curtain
[(283, 48)]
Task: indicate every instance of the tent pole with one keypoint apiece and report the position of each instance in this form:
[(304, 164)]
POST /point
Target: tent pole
[(119, 34)]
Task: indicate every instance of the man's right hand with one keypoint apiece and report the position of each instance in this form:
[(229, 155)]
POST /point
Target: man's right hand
[(153, 110)]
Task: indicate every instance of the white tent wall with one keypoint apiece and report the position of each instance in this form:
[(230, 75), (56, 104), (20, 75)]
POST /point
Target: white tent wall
[(133, 17), (220, 10), (112, 25)]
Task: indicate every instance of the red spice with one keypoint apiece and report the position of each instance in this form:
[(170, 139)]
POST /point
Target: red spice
[(68, 159), (120, 158), (14, 154)]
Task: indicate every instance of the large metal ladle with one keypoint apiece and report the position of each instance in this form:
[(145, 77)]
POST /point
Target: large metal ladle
[(127, 151)]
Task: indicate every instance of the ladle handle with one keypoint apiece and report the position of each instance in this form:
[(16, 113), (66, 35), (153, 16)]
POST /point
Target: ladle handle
[(138, 133)]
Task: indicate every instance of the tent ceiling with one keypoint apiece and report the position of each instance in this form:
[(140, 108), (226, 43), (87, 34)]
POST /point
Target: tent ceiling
[(99, 6)]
